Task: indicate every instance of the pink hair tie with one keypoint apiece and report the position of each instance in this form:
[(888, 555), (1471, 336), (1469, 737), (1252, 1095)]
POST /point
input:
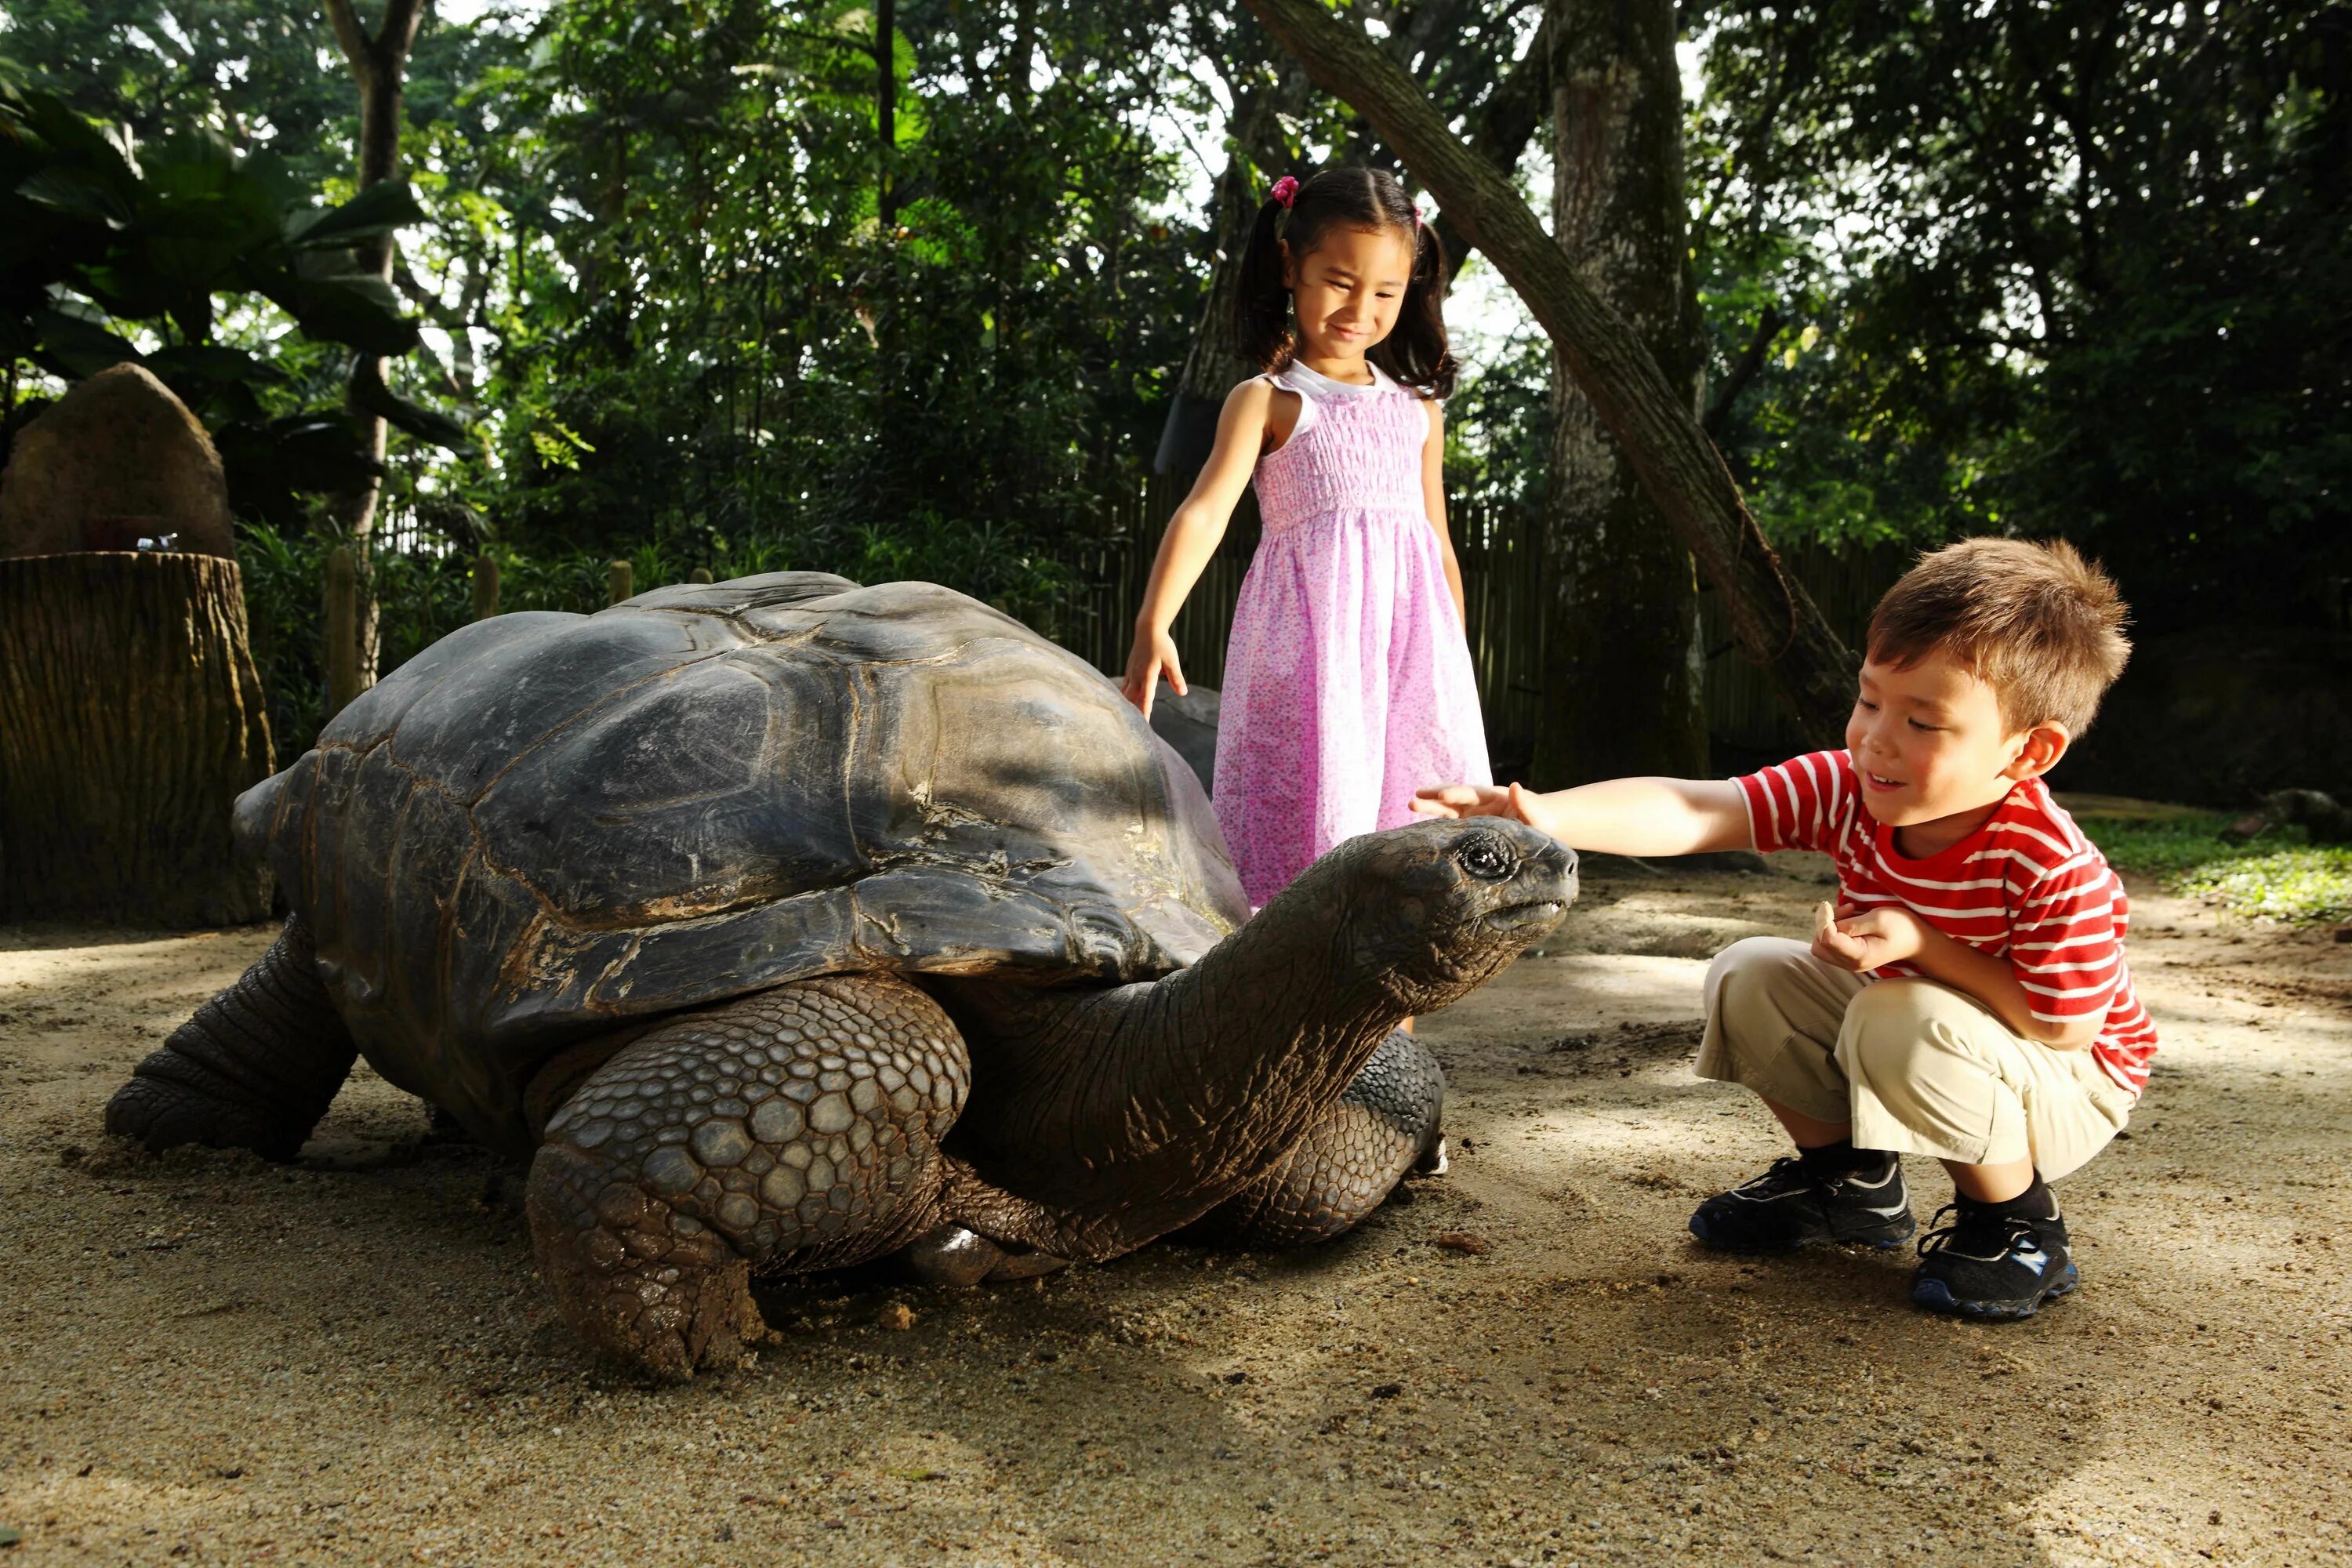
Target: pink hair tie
[(1418, 220), (1286, 190)]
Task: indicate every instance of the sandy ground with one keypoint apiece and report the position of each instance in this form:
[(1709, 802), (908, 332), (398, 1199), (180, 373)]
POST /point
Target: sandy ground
[(212, 1361)]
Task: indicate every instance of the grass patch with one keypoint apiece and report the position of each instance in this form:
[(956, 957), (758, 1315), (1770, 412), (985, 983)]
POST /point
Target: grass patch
[(2278, 876)]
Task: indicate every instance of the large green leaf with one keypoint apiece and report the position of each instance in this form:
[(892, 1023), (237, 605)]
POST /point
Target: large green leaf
[(104, 151), (197, 189), (271, 465), (374, 212), (356, 309), (211, 361), (425, 424), (79, 193), (74, 344)]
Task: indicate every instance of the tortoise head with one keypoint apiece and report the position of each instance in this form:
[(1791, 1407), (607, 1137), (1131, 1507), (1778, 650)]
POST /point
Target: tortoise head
[(1425, 914)]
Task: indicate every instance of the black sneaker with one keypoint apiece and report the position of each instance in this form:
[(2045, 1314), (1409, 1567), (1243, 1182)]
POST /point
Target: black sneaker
[(1989, 1265), (1789, 1206)]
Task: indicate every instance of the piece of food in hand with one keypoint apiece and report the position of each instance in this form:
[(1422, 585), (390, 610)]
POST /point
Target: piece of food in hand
[(1824, 915)]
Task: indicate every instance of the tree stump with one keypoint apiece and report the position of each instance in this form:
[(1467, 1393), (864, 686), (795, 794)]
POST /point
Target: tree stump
[(131, 719)]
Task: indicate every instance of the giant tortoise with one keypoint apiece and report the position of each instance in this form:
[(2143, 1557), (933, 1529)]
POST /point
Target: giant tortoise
[(785, 924)]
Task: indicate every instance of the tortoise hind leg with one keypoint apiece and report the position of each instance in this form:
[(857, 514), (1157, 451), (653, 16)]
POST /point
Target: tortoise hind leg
[(1385, 1124), (795, 1129), (254, 1068)]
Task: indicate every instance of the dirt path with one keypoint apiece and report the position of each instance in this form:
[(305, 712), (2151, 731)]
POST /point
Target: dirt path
[(211, 1361)]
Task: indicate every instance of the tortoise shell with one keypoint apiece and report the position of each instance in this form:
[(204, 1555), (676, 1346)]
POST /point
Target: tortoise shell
[(547, 826)]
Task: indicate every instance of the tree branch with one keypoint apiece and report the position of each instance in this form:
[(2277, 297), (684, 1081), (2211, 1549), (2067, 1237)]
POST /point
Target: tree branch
[(1501, 128), (357, 48), (1751, 360), (1776, 622)]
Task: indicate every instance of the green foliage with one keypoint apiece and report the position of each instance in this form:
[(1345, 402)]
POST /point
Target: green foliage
[(2277, 875), (2301, 885), (251, 69), (284, 577), (650, 258), (719, 342), (102, 237), (2075, 268), (156, 234), (1499, 427)]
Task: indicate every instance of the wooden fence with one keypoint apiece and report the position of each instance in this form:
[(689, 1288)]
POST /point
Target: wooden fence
[(1501, 556)]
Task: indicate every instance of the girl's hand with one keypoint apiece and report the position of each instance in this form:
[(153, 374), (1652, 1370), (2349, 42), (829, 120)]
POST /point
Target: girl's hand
[(1867, 942), (1154, 655), (1474, 800)]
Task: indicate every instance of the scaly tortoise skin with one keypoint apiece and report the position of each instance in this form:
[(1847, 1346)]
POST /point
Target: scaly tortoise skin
[(786, 923)]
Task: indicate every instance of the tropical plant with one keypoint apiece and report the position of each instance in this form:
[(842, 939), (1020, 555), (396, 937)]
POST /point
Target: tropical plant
[(100, 236)]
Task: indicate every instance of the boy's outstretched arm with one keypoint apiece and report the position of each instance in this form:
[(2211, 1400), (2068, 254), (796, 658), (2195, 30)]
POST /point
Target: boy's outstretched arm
[(1615, 816)]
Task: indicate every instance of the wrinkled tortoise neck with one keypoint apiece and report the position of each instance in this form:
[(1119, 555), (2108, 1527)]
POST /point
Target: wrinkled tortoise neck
[(1280, 1013), (1141, 1107)]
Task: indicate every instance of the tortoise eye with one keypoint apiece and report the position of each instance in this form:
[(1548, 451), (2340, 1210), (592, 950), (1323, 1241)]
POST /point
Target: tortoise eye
[(1484, 859)]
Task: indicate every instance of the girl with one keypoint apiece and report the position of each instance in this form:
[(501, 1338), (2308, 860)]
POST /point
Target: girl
[(1347, 681)]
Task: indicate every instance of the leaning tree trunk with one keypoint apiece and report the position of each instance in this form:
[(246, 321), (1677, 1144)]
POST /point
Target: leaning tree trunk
[(1623, 664), (1777, 623), (131, 719)]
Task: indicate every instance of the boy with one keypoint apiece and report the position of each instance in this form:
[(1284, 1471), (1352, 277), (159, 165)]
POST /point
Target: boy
[(1967, 998)]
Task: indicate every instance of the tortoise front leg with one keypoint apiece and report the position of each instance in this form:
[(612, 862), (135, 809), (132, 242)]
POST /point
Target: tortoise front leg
[(254, 1068), (794, 1130), (1385, 1124)]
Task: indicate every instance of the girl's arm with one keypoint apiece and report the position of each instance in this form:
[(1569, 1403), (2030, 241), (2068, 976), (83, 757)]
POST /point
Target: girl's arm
[(1192, 538), (1433, 496)]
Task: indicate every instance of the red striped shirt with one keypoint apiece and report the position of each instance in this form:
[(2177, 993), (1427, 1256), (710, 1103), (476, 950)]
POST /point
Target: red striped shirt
[(2027, 886)]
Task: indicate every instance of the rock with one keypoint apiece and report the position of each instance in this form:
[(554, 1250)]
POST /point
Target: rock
[(898, 1317), (2318, 814), (1189, 724), (1463, 1241), (117, 459)]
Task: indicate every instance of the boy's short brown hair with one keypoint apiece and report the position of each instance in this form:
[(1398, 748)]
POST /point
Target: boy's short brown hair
[(2037, 623)]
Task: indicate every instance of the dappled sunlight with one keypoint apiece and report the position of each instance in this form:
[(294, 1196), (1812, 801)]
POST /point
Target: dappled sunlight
[(43, 959)]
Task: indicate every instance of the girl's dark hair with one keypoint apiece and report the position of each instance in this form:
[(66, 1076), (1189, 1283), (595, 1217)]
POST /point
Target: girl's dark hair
[(1414, 352)]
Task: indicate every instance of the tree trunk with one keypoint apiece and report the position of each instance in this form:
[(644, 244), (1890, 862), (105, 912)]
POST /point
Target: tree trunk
[(131, 719), (380, 65), (1774, 619), (1623, 666)]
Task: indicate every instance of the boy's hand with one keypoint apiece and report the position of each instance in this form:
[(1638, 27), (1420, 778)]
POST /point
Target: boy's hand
[(1472, 800), (1867, 942)]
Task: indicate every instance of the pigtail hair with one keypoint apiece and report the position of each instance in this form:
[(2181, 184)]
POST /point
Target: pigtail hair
[(1414, 354), (1260, 299), (1415, 351)]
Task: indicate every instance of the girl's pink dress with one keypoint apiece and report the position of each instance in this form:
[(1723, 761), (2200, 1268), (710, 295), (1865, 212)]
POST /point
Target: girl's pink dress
[(1348, 678)]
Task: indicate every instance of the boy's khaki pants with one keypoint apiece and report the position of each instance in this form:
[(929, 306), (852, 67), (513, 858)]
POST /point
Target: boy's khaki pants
[(1918, 1068)]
